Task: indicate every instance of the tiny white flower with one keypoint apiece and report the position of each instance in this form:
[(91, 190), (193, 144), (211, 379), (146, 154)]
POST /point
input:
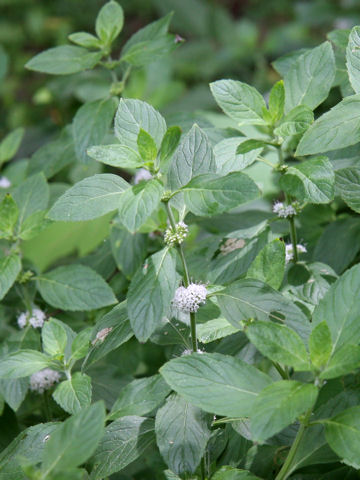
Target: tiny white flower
[(4, 182), (232, 244), (22, 320), (142, 174), (189, 299), (176, 235), (36, 318), (283, 211), (43, 380), (289, 252)]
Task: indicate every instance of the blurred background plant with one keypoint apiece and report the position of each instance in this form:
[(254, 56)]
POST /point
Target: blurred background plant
[(224, 39)]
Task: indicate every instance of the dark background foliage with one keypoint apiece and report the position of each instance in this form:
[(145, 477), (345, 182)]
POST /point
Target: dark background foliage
[(224, 39)]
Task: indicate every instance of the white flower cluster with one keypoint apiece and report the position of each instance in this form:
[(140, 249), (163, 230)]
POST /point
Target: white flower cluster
[(43, 380), (289, 251), (232, 244), (176, 235), (142, 174), (284, 211), (4, 182), (36, 318), (188, 299)]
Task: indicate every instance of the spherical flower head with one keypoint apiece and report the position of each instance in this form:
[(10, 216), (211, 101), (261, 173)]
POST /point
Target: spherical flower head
[(284, 211), (176, 235), (188, 299), (232, 244), (4, 182), (36, 318), (142, 174), (43, 380), (289, 251)]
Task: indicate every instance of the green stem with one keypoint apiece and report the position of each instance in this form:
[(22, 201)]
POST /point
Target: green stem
[(293, 239), (47, 410), (285, 469), (202, 468), (282, 372), (186, 279)]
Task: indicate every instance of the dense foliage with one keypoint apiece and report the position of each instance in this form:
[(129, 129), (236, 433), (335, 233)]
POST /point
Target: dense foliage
[(180, 292)]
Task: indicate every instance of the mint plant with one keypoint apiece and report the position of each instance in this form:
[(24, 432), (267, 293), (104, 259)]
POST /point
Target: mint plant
[(183, 306)]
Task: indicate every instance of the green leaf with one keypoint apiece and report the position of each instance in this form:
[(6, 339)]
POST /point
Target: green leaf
[(10, 268), (85, 39), (29, 445), (119, 156), (33, 225), (228, 160), (247, 299), (249, 145), (310, 78), (339, 308), (23, 363), (75, 440), (337, 128), (81, 343), (138, 203), (279, 343), (143, 53), (9, 213), (192, 157), (64, 60), (239, 101), (153, 31), (133, 115), (339, 243), (109, 22), (312, 180), (128, 249), (31, 196), (182, 432), (75, 287), (320, 345), (74, 394), (277, 101), (91, 123), (347, 185), (279, 405), (168, 146), (124, 441), (10, 144), (231, 473), (214, 329), (344, 361), (211, 194), (53, 156), (14, 392), (150, 293), (297, 121), (146, 146), (139, 397), (227, 268), (353, 58), (54, 337), (269, 265), (216, 383), (90, 198), (118, 330), (343, 435)]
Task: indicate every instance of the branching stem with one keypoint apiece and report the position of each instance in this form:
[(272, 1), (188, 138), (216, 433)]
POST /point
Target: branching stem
[(285, 469), (186, 279)]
